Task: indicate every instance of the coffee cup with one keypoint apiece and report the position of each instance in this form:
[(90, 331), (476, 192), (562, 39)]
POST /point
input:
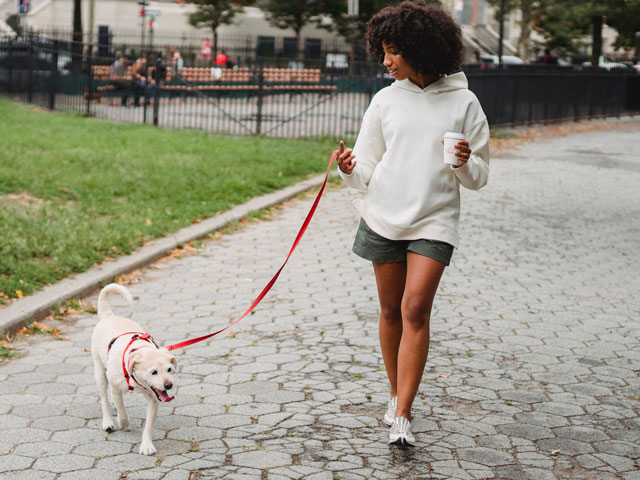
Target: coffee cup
[(450, 141)]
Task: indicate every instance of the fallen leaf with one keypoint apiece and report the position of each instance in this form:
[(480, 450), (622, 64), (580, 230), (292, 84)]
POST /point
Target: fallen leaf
[(19, 293), (443, 376), (555, 452)]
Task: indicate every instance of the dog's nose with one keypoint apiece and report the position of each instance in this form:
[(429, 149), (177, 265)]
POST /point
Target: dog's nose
[(168, 385)]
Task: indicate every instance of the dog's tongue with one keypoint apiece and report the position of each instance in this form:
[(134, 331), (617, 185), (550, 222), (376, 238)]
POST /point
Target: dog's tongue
[(164, 396)]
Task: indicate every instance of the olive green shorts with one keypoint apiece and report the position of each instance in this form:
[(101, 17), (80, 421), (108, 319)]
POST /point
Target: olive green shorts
[(375, 248)]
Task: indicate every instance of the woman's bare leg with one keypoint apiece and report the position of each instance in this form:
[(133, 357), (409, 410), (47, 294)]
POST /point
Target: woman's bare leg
[(390, 279), (422, 278)]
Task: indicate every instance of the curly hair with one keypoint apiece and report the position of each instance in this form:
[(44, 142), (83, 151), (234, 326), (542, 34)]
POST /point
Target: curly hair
[(426, 36)]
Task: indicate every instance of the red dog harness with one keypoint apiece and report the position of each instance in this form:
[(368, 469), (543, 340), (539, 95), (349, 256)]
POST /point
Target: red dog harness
[(128, 374)]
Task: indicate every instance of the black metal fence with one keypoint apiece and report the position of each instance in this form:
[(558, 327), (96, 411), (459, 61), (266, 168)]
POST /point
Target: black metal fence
[(305, 98)]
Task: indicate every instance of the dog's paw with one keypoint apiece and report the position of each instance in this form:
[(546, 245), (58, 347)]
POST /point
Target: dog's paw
[(147, 449), (108, 426), (124, 424)]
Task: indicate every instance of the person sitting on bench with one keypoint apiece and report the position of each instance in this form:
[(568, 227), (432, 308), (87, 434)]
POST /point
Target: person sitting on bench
[(117, 76)]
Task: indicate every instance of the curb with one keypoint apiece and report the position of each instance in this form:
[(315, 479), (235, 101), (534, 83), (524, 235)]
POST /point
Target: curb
[(39, 305)]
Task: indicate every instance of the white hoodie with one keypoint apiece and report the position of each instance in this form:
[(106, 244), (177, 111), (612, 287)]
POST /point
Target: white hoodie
[(410, 193)]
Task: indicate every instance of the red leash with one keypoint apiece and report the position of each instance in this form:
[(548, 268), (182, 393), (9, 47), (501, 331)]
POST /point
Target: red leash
[(266, 289)]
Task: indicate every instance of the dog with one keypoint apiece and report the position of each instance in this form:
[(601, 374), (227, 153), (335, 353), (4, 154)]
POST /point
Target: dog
[(126, 358)]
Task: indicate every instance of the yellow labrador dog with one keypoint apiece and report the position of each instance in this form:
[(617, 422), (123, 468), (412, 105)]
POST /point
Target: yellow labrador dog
[(126, 358)]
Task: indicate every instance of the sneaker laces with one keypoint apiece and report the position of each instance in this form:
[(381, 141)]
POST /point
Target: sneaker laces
[(401, 426)]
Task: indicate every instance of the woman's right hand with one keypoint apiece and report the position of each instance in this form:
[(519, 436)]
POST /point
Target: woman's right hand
[(346, 162)]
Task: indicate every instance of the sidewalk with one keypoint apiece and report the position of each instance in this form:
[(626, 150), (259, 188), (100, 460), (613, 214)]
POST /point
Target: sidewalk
[(533, 373)]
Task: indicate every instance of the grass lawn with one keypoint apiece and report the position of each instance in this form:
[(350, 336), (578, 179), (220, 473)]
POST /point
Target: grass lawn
[(75, 191)]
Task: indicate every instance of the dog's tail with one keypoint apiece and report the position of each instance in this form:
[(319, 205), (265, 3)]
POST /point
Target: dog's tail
[(104, 309)]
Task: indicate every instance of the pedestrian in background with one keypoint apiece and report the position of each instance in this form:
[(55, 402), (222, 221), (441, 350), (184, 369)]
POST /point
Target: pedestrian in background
[(410, 205), (120, 76), (143, 84), (221, 59), (178, 64)]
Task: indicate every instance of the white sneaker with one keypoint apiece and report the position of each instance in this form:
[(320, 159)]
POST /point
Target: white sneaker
[(400, 433), (391, 411)]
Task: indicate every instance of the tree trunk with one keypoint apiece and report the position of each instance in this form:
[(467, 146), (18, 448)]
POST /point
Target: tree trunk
[(76, 47), (215, 43), (524, 42), (596, 47)]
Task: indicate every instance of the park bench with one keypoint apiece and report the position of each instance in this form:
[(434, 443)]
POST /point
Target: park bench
[(210, 79), (295, 80), (223, 80), (242, 79)]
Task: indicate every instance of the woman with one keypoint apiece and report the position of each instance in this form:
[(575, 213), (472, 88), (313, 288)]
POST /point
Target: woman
[(410, 207)]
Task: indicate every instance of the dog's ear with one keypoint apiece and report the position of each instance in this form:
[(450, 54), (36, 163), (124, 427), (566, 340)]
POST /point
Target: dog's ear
[(172, 359), (134, 358)]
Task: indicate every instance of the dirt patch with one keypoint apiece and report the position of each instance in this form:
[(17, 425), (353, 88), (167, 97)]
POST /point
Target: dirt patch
[(510, 138), (22, 199), (462, 407)]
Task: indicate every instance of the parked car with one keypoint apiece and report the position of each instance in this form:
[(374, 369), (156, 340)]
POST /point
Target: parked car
[(606, 64), (506, 60)]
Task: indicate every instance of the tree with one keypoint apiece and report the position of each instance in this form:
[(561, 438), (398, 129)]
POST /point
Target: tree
[(293, 14), (526, 22), (352, 28), (565, 24), (213, 13), (76, 45), (625, 18)]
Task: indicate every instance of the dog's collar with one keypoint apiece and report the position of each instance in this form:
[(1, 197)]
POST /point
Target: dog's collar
[(128, 374)]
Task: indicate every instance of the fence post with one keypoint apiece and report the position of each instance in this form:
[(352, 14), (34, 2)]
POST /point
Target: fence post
[(156, 97), (10, 64), (89, 74), (369, 83), (260, 95), (30, 62), (53, 80)]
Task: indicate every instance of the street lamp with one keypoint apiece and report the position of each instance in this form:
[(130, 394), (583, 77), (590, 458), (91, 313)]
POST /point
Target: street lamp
[(353, 8), (501, 33)]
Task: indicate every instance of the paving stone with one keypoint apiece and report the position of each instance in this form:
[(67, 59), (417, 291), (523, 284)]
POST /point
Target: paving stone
[(102, 449), (128, 461), (580, 433), (10, 463), (23, 435), (485, 456), (27, 475), (92, 474), (58, 423), (565, 446), (528, 432), (261, 459), (42, 449), (64, 463)]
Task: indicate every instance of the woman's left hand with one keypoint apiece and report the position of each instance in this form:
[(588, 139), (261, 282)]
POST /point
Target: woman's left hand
[(463, 152)]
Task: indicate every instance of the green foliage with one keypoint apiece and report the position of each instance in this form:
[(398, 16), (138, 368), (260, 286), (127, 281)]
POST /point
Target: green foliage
[(352, 27), (290, 14), (564, 25), (213, 13), (75, 192), (625, 18), (6, 352)]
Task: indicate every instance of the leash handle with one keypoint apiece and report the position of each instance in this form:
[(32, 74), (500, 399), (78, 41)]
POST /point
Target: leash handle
[(266, 289)]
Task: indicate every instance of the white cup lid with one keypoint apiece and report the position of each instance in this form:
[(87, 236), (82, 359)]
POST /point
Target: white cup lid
[(459, 136)]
